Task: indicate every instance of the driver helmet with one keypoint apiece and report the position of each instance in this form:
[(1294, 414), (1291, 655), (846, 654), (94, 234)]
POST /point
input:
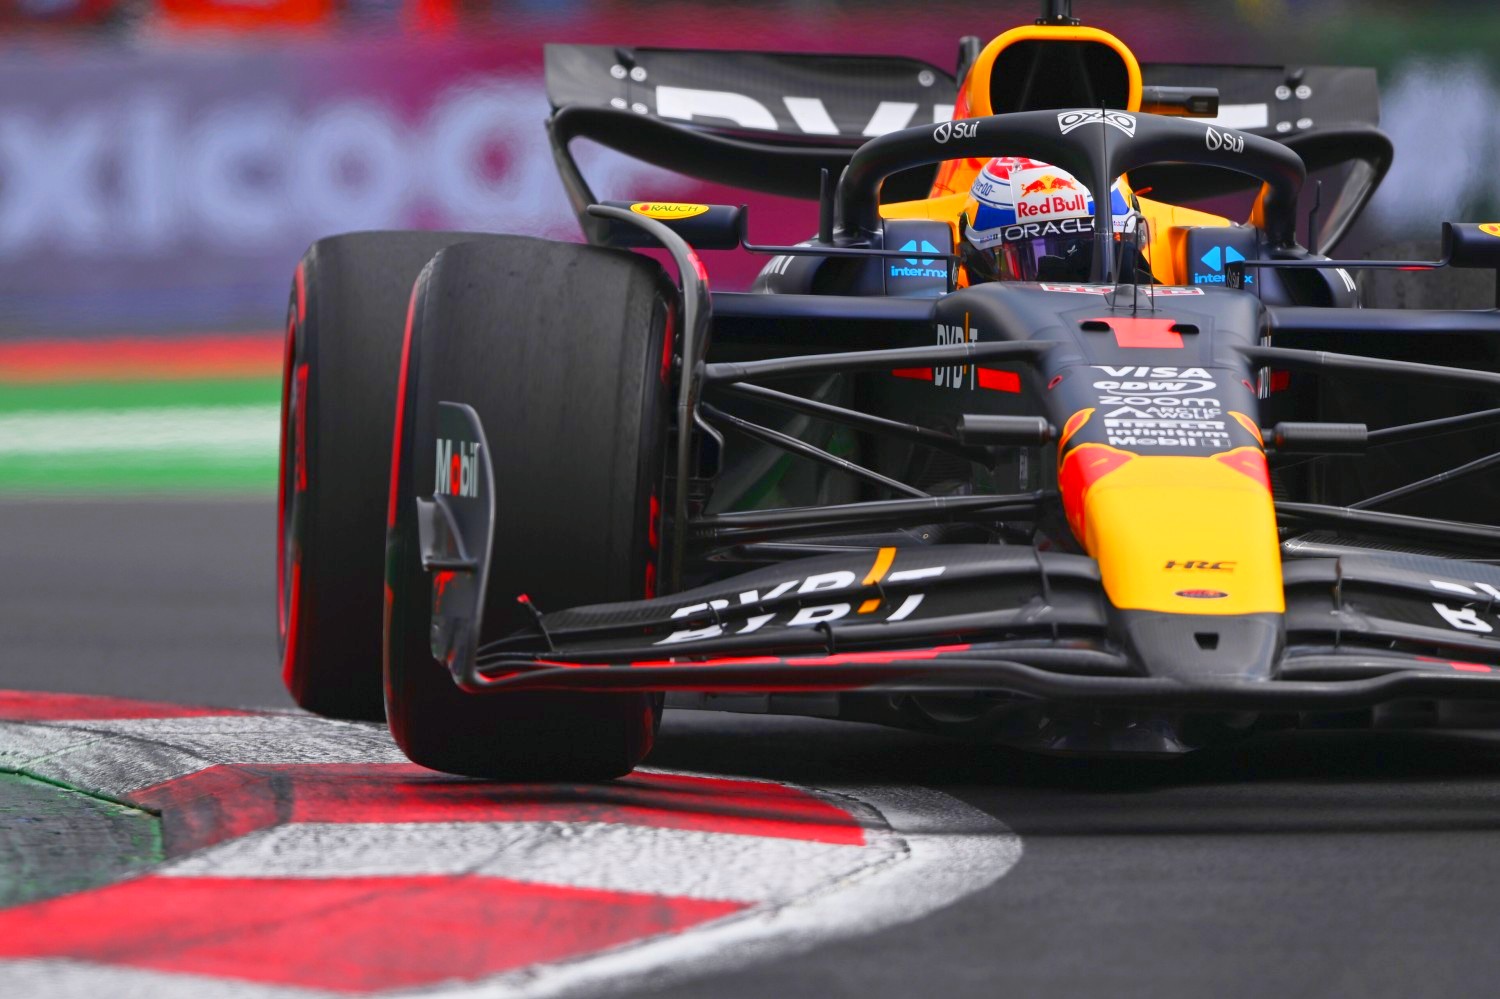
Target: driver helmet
[(1025, 220)]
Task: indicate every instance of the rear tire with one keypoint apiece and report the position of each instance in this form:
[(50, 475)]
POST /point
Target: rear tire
[(558, 347), (344, 337)]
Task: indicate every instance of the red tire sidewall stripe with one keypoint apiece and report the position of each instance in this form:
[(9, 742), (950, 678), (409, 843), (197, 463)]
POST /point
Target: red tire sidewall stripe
[(402, 378), (411, 310), (300, 280), (653, 504), (287, 604), (289, 671), (281, 503)]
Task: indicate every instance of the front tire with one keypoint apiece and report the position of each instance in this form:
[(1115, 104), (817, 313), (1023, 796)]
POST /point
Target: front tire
[(559, 349), (343, 350)]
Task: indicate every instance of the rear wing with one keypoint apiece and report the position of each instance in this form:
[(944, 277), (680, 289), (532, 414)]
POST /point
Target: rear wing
[(773, 122), (1279, 102), (759, 121), (1327, 114), (821, 100)]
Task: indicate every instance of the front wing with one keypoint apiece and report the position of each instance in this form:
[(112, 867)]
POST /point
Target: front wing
[(1360, 630)]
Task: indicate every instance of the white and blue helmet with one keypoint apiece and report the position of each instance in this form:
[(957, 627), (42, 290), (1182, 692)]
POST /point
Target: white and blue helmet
[(1029, 221)]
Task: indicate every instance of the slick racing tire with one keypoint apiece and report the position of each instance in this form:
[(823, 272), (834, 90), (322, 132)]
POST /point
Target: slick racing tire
[(343, 352), (559, 350)]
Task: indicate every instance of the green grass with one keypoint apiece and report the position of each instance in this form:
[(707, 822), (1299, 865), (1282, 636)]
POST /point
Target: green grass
[(165, 437), (17, 397), (129, 474), (56, 839)]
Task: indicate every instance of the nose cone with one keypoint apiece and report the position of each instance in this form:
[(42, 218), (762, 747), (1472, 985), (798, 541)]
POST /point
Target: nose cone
[(1202, 646)]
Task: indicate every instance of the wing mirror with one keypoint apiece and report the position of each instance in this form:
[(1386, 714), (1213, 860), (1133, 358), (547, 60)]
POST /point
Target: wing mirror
[(1181, 102), (703, 227), (1471, 244)]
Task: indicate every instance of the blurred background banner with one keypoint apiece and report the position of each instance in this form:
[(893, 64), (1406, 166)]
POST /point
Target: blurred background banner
[(164, 163), (167, 173), (174, 188)]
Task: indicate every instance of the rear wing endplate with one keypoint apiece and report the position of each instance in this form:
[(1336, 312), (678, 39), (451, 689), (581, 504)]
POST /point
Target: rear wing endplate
[(1326, 114)]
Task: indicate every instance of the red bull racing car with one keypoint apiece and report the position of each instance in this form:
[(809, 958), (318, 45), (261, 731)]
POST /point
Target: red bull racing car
[(1016, 446)]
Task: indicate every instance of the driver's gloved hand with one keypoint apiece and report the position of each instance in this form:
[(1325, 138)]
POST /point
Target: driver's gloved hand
[(980, 264)]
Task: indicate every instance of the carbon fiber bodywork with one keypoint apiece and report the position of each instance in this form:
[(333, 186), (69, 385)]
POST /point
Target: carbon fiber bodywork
[(1084, 515)]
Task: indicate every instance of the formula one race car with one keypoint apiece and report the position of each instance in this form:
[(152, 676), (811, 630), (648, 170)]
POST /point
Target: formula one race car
[(1007, 450)]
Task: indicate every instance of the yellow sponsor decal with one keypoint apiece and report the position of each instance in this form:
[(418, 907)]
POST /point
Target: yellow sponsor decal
[(1493, 228), (667, 210), (1186, 535), (883, 560), (1075, 423), (1249, 425)]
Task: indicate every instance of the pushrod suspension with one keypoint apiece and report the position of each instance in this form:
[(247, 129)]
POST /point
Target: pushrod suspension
[(952, 355), (792, 445), (1432, 428), (1431, 482), (1372, 521), (740, 525), (1325, 362), (935, 439)]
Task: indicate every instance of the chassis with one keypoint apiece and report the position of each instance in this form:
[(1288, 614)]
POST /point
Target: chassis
[(1105, 516)]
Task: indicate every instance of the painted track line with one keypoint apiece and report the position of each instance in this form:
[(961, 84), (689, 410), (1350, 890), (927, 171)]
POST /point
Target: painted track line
[(66, 979), (308, 859), (596, 855), (953, 851), (232, 430)]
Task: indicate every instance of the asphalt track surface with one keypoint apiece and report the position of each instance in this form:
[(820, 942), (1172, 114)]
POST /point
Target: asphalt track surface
[(1311, 864)]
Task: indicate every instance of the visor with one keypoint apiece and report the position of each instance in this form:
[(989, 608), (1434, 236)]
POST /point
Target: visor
[(1059, 251)]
